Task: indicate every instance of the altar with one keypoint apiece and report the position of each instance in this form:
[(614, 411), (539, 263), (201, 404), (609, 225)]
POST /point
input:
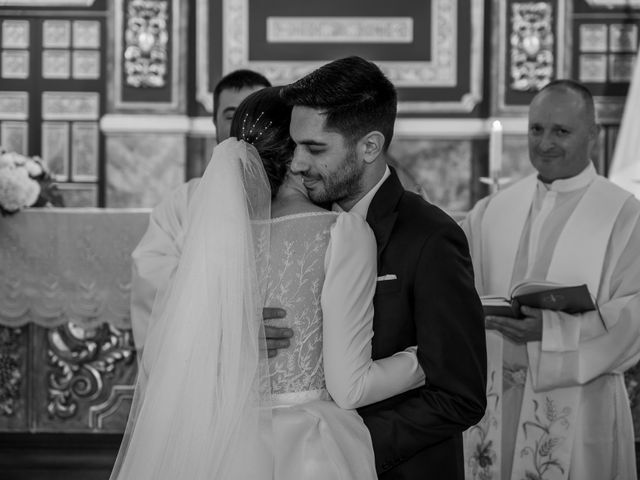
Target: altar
[(67, 357)]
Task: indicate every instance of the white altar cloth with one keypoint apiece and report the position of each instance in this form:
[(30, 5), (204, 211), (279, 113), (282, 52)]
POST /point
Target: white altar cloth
[(68, 265)]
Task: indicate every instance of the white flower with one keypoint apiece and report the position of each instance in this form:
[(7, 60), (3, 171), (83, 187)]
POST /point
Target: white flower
[(16, 158), (6, 161), (33, 167), (17, 189)]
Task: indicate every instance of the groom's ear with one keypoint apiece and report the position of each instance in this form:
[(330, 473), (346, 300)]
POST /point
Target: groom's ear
[(372, 145)]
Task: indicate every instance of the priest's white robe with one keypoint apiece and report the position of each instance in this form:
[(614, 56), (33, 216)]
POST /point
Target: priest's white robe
[(156, 257), (576, 350)]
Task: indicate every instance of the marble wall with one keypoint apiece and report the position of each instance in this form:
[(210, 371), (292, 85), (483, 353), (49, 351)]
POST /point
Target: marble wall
[(143, 168), (440, 170)]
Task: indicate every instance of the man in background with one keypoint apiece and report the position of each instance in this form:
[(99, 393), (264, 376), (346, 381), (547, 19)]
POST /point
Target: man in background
[(557, 406), (156, 256), (230, 91)]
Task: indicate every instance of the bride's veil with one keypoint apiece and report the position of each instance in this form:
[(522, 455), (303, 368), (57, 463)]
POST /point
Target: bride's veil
[(199, 406)]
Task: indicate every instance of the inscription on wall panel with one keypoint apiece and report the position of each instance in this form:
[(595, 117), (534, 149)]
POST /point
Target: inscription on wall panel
[(339, 30)]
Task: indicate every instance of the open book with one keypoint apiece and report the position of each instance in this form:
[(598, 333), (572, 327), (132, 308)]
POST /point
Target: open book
[(541, 294)]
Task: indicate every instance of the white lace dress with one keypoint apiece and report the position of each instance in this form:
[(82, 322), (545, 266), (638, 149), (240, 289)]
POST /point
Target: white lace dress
[(314, 438), (201, 410)]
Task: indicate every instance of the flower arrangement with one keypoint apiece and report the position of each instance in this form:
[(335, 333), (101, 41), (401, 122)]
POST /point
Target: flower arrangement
[(25, 182)]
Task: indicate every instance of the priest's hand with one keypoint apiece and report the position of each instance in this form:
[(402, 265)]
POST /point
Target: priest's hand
[(276, 337), (518, 330)]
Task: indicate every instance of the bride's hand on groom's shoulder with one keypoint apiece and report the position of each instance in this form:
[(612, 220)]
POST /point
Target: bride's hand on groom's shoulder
[(276, 338)]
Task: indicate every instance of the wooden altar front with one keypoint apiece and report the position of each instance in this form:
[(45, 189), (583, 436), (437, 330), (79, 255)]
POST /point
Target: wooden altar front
[(67, 358)]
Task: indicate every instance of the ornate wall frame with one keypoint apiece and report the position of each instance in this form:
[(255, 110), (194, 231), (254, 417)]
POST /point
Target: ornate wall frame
[(173, 77), (500, 44), (440, 72)]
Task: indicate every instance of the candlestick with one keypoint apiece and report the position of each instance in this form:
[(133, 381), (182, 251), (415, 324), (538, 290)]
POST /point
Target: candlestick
[(495, 149)]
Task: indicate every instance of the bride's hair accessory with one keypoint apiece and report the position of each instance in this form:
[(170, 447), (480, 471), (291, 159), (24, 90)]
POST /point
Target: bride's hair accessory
[(249, 136)]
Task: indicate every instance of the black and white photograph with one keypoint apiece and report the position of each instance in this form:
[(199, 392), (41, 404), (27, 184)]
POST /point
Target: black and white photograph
[(337, 240)]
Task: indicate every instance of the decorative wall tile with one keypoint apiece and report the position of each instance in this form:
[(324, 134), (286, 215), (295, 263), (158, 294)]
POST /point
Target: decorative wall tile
[(621, 67), (15, 64), (84, 151), (55, 148), (70, 105), (86, 64), (14, 105), (79, 195), (86, 34), (14, 135), (593, 67), (623, 37), (438, 71), (593, 37), (56, 34), (15, 34), (56, 64)]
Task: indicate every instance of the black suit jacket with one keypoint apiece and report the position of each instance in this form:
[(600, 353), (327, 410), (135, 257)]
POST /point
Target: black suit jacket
[(434, 304)]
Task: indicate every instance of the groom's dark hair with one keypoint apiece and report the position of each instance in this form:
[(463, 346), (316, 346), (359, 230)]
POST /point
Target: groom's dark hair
[(262, 119), (354, 95)]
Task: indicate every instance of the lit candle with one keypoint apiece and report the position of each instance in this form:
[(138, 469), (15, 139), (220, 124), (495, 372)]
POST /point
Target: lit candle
[(495, 149)]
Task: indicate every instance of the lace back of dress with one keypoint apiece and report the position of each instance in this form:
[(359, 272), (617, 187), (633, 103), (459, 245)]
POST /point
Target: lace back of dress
[(296, 275), (198, 410)]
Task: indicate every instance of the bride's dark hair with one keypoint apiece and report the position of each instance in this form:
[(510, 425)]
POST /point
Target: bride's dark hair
[(262, 119)]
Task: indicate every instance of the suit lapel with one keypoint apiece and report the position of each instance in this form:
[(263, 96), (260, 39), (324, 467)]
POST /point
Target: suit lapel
[(382, 214)]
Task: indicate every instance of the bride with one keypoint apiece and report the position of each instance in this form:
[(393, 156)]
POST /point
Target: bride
[(209, 403)]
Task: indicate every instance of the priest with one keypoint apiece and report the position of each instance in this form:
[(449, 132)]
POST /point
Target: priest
[(557, 404)]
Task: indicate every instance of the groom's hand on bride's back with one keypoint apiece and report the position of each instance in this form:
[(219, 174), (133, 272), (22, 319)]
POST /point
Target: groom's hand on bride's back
[(277, 338)]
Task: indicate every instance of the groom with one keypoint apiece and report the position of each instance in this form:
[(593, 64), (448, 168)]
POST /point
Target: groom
[(342, 124)]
